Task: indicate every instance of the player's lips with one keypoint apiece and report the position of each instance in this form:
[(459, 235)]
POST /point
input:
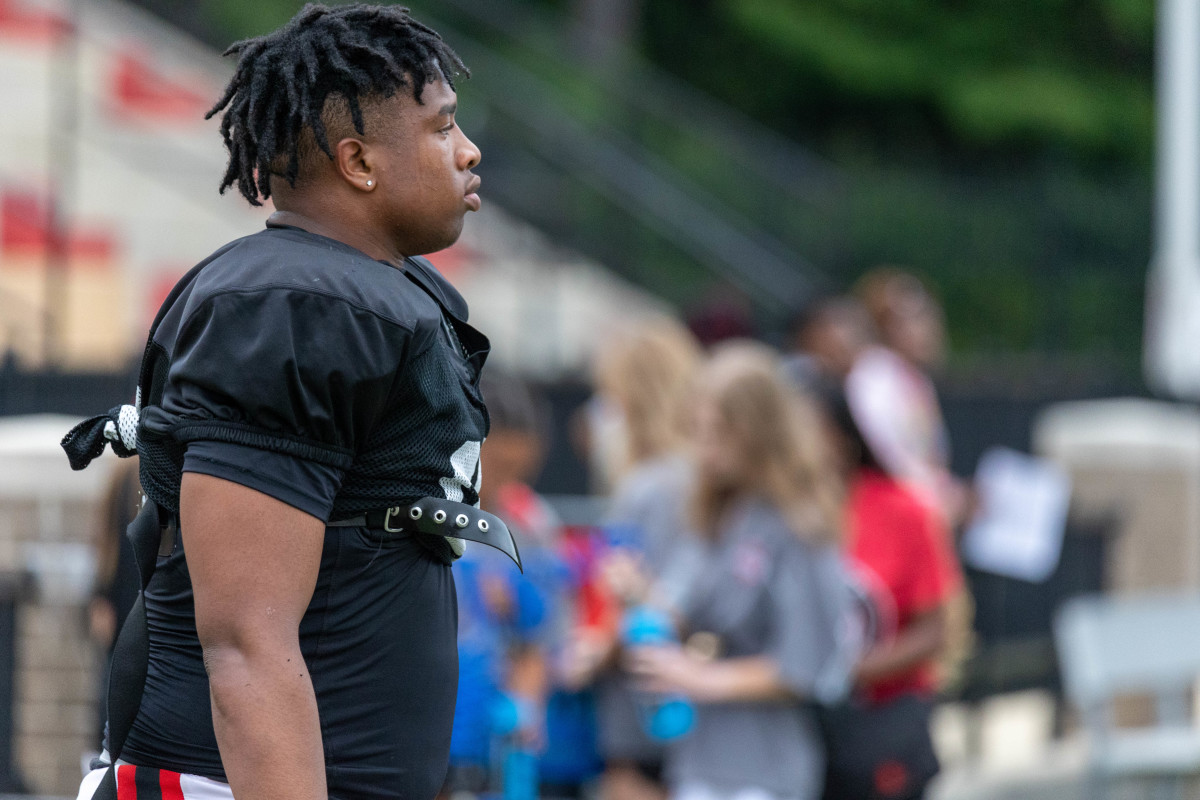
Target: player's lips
[(471, 197)]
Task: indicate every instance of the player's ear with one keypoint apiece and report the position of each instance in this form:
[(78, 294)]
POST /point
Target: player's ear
[(354, 163)]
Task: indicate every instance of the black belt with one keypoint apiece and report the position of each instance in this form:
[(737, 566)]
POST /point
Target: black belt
[(435, 516)]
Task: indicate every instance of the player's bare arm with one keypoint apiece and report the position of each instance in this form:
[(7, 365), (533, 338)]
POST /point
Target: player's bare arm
[(253, 562)]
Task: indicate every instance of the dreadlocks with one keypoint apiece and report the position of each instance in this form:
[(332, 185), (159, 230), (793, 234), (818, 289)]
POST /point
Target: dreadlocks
[(283, 80)]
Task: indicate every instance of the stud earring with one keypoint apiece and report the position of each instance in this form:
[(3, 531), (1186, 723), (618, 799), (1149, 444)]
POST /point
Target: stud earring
[(370, 183)]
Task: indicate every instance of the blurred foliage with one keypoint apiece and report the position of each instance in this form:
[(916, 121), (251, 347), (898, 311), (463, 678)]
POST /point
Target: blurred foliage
[(965, 76), (241, 19), (1003, 150)]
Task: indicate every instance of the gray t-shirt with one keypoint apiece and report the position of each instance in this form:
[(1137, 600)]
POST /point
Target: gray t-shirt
[(647, 511), (763, 591), (648, 504)]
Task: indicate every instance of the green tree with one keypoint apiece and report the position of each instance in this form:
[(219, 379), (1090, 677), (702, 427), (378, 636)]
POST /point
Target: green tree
[(958, 77)]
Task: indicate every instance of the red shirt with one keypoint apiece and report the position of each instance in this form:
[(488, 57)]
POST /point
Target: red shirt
[(904, 550)]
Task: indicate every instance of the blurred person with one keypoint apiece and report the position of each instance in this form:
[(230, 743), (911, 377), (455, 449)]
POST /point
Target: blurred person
[(892, 395), (763, 611), (902, 553), (509, 625), (826, 338), (723, 313), (571, 763), (909, 319), (643, 379), (308, 423), (114, 589), (567, 756)]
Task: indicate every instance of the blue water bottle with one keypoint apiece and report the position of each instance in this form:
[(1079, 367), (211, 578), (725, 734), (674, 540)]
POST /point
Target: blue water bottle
[(663, 717), (519, 770)]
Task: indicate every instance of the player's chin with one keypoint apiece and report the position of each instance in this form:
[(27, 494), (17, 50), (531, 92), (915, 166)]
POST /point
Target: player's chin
[(455, 230), (445, 237)]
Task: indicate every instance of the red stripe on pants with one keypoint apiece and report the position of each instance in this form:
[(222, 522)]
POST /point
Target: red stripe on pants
[(169, 781), (126, 783)]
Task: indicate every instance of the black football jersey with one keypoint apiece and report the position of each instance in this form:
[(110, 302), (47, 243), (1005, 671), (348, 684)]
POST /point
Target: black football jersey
[(299, 344), (295, 345)]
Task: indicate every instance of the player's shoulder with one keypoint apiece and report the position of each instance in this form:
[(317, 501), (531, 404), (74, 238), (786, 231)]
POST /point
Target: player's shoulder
[(292, 262)]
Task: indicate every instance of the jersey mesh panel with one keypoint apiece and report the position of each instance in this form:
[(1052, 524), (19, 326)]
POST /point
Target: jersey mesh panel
[(160, 466), (409, 451)]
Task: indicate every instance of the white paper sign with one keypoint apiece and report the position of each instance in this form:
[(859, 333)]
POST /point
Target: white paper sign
[(1018, 530)]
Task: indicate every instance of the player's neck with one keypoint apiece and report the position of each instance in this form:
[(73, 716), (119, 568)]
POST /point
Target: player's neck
[(333, 229)]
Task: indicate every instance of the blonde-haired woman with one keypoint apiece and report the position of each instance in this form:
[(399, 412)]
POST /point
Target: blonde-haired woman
[(643, 377), (766, 595)]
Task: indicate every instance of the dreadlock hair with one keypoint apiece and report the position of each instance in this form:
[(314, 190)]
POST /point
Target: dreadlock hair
[(283, 79)]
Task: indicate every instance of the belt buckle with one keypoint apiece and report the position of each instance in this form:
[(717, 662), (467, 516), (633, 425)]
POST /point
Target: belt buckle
[(387, 520)]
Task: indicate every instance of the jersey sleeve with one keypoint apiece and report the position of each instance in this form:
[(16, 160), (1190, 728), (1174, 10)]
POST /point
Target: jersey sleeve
[(306, 485), (288, 373)]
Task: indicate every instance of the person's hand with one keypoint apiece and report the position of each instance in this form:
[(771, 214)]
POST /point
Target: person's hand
[(102, 621), (532, 736), (957, 500), (497, 596), (669, 669), (969, 504), (583, 657), (624, 575)]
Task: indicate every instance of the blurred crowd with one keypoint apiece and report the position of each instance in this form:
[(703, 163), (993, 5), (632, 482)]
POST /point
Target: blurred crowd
[(772, 588), (770, 600)]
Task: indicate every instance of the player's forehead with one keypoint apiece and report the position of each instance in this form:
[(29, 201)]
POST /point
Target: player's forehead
[(438, 101)]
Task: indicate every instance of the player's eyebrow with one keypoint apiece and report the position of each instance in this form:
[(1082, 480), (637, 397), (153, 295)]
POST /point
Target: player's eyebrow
[(448, 109)]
